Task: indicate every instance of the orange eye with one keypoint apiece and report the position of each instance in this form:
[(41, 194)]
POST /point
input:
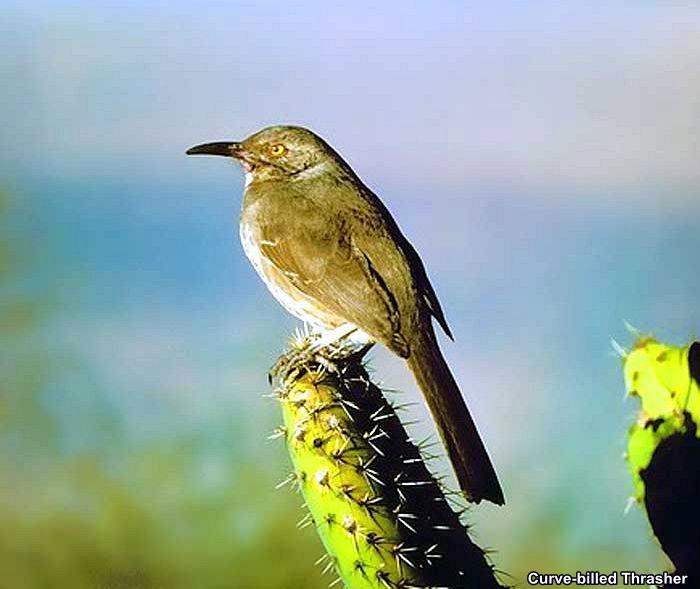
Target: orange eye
[(277, 150)]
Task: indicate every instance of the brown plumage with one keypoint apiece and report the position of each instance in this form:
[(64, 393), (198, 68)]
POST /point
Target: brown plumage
[(331, 253)]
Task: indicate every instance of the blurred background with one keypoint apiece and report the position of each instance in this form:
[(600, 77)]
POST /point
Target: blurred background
[(543, 158)]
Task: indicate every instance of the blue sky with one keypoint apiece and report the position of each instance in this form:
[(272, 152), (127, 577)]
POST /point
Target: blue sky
[(550, 97), (543, 160)]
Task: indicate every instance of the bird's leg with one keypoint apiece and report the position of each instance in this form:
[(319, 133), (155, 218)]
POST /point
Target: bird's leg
[(330, 337), (340, 345)]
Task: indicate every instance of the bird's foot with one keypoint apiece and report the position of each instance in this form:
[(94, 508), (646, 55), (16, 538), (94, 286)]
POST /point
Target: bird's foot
[(316, 349)]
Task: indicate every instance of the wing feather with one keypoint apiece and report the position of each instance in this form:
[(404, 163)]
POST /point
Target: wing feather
[(341, 279)]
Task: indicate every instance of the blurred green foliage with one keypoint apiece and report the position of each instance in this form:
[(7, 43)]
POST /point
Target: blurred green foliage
[(76, 526), (122, 515)]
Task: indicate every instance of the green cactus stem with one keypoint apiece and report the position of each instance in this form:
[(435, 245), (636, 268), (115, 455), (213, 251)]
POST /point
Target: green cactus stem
[(382, 517), (663, 446)]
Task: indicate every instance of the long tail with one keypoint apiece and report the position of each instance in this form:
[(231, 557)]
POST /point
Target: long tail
[(470, 461)]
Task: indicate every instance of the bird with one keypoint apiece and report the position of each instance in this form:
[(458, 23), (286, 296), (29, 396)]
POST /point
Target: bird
[(331, 253)]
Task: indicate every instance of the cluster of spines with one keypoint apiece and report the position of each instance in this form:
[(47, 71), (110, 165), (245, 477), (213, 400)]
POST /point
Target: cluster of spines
[(382, 517)]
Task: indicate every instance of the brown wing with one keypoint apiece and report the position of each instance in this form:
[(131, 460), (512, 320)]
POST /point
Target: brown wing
[(329, 266), (408, 255)]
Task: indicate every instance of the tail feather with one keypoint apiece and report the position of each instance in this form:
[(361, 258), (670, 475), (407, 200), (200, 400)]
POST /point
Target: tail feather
[(467, 453)]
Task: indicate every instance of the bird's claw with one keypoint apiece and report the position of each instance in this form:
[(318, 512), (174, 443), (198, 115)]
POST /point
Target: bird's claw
[(314, 350)]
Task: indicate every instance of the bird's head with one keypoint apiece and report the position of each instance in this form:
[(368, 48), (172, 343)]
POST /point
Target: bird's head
[(274, 152)]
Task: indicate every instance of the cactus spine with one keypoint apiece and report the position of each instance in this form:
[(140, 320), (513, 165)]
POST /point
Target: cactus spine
[(383, 519)]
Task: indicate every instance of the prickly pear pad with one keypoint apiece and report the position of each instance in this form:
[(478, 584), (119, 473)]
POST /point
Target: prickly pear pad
[(660, 375)]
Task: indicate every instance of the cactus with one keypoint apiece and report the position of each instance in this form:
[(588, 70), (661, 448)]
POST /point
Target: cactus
[(382, 517), (663, 445), (660, 375)]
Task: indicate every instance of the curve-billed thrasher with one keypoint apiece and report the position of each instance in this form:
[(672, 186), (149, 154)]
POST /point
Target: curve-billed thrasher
[(330, 252)]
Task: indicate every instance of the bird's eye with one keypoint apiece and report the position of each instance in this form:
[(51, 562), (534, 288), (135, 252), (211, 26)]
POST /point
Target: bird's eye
[(277, 150)]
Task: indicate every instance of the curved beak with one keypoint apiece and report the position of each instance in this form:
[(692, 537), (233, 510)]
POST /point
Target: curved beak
[(225, 148)]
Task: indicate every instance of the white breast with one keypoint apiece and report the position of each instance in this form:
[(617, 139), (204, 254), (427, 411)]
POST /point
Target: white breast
[(251, 249), (296, 305)]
